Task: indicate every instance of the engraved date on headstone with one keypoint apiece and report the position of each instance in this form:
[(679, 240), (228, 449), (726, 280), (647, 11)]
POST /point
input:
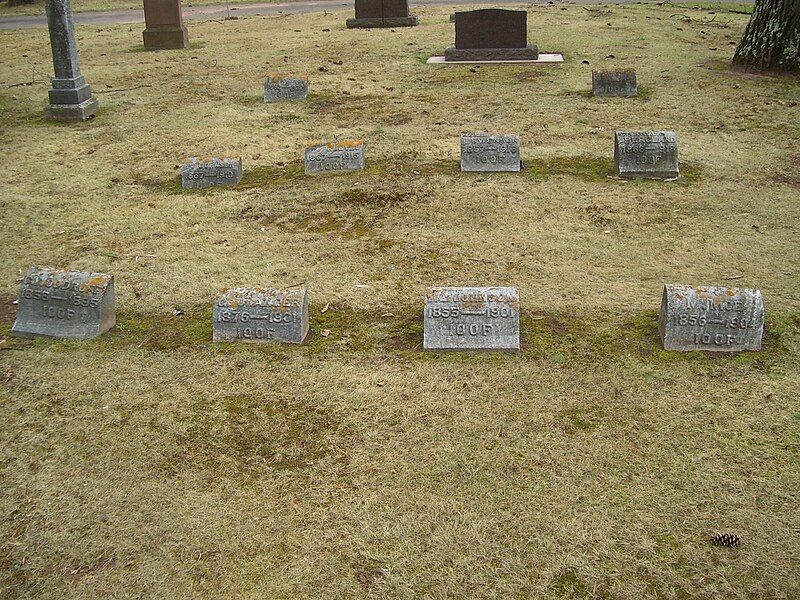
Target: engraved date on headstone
[(616, 82), (279, 89), (472, 318), (646, 154), (715, 319), (335, 157), (209, 172), (260, 315), (484, 152), (64, 304)]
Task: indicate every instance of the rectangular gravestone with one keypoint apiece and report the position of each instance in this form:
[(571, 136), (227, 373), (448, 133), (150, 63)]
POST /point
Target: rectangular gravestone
[(209, 172), (484, 152), (279, 89), (472, 318), (491, 34), (713, 319), (617, 82), (64, 304), (335, 157), (260, 315), (164, 28), (382, 13), (646, 154)]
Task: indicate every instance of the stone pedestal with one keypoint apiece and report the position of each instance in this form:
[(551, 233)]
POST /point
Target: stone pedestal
[(70, 97), (164, 25)]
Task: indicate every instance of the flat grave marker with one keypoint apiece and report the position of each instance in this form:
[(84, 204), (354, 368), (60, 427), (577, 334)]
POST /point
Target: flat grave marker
[(260, 315), (484, 152), (335, 157), (280, 89), (646, 154), (210, 172), (614, 82)]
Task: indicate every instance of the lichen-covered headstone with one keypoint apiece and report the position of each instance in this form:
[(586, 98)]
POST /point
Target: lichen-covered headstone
[(614, 82), (260, 315), (64, 304), (646, 154), (335, 157), (714, 319), (471, 318), (209, 172), (484, 152), (281, 89)]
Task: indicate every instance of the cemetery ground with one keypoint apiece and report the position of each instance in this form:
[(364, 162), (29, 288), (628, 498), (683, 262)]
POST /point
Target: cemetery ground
[(152, 463)]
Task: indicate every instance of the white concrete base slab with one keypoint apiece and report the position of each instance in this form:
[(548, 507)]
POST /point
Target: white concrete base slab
[(544, 59)]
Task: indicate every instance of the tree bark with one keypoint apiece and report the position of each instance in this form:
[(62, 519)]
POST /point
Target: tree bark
[(771, 41)]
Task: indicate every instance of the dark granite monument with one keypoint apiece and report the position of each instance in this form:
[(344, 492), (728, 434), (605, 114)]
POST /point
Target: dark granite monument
[(70, 97), (491, 34), (164, 28), (382, 13)]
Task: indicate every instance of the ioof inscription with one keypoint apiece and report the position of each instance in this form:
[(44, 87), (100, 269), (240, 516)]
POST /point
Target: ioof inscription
[(209, 172), (280, 89), (484, 152), (260, 315), (617, 82), (714, 319), (64, 304), (646, 154), (335, 157), (472, 318)]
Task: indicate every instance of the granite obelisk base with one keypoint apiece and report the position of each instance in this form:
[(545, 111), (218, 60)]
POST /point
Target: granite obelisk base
[(164, 28)]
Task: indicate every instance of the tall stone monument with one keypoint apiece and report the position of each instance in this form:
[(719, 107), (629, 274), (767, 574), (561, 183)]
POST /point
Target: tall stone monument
[(491, 34), (70, 97), (382, 13), (164, 28)]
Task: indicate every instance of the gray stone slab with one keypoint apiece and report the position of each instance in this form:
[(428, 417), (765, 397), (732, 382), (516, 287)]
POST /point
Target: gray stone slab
[(485, 152), (281, 89), (646, 154), (261, 315), (335, 157), (713, 319), (614, 82), (208, 172), (471, 318), (64, 304)]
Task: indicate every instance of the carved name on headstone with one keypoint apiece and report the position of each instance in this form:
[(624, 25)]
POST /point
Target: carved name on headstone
[(484, 152), (617, 82), (64, 304), (382, 13), (260, 315), (491, 34), (335, 157), (279, 89), (208, 172), (646, 154), (715, 319), (472, 318)]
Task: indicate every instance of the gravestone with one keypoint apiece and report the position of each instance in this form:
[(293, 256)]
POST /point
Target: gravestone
[(382, 13), (491, 34), (279, 88), (713, 319), (260, 315), (164, 28), (209, 172), (335, 157), (70, 97), (646, 154), (617, 82), (484, 152), (472, 318), (64, 304)]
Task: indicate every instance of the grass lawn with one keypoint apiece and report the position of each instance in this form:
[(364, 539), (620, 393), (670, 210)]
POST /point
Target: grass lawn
[(151, 463), (90, 5)]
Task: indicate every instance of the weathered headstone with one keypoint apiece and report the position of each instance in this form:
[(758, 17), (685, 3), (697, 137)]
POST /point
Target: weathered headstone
[(491, 34), (616, 82), (260, 315), (335, 157), (472, 318), (64, 304), (714, 319), (70, 97), (382, 13), (209, 172), (484, 152), (279, 88), (646, 154), (164, 28)]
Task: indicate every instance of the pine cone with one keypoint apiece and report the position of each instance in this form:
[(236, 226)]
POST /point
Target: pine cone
[(726, 539)]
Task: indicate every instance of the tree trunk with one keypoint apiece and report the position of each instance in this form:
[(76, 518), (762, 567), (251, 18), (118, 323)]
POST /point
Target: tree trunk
[(771, 41)]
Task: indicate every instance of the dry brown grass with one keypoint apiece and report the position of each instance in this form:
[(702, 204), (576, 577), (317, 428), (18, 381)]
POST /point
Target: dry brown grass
[(151, 463)]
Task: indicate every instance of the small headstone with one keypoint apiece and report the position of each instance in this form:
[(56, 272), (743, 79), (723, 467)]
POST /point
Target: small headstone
[(64, 304), (617, 82), (164, 28), (382, 13), (260, 315), (279, 89), (646, 154), (335, 157), (484, 152), (491, 34), (208, 172), (713, 319), (472, 318)]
